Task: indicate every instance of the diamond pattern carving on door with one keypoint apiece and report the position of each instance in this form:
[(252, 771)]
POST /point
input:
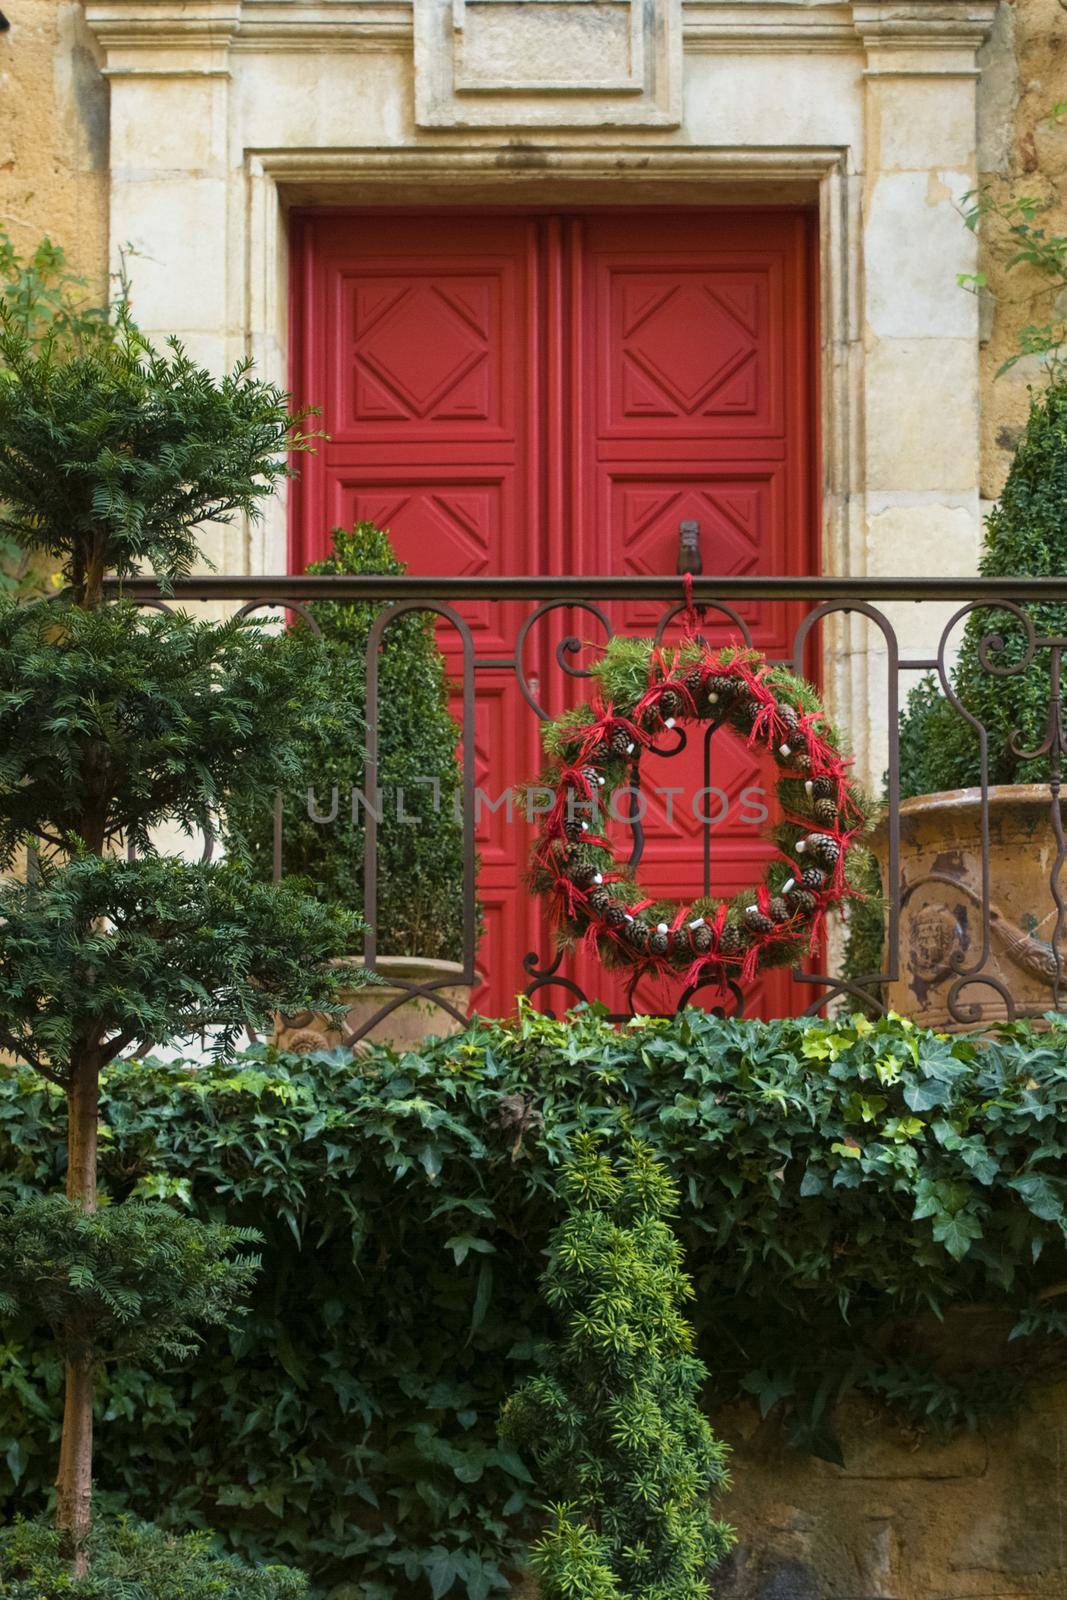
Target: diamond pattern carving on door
[(422, 350), (458, 526), (688, 345), (535, 394)]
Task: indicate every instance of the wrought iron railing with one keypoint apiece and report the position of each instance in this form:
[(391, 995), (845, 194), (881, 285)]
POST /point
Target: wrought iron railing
[(980, 973)]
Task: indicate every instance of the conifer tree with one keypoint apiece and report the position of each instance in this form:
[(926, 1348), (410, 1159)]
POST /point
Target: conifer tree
[(114, 719), (612, 1421), (1026, 536)]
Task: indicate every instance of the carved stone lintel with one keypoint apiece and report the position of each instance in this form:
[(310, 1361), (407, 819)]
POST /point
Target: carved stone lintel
[(548, 63)]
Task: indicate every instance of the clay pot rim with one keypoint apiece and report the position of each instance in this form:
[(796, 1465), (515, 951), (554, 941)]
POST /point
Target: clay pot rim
[(417, 969), (1000, 795)]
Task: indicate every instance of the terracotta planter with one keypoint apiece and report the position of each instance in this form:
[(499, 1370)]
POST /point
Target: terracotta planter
[(410, 1021), (941, 906)]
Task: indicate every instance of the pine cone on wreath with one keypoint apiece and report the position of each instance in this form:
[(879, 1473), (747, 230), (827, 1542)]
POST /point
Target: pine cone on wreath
[(825, 811), (695, 683), (721, 692), (824, 788), (637, 934), (700, 938), (823, 848), (801, 901), (583, 873), (616, 914), (573, 829), (757, 921), (669, 704), (745, 711), (659, 940), (778, 911), (813, 878), (620, 743), (732, 941), (600, 898)]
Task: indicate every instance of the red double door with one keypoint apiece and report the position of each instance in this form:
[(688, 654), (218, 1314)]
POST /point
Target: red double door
[(545, 393)]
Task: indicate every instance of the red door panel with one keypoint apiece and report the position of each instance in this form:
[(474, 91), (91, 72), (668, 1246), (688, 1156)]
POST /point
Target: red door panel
[(557, 393), (417, 335), (697, 406)]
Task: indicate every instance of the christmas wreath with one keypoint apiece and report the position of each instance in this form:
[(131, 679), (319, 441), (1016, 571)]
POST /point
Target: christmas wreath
[(643, 692)]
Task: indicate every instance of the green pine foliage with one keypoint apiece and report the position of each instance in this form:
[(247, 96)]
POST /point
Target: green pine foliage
[(115, 719), (43, 299), (611, 1421), (107, 953), (134, 1282), (112, 456), (1026, 536), (135, 1561), (420, 834)]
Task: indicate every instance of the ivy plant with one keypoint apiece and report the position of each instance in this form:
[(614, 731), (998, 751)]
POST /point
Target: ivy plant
[(846, 1189)]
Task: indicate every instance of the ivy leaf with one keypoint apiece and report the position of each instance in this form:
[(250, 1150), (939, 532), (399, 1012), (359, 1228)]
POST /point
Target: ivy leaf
[(957, 1232), (1041, 1195), (461, 1244), (768, 1389), (430, 1161)]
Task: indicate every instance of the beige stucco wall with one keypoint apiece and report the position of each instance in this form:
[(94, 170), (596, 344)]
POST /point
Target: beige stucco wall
[(54, 134)]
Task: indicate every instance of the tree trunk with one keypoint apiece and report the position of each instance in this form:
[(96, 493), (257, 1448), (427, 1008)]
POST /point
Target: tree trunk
[(83, 1109), (74, 1481)]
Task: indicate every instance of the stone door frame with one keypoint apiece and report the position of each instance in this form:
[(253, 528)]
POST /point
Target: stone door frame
[(227, 112)]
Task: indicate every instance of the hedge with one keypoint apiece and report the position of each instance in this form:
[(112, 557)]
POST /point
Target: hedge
[(844, 1185)]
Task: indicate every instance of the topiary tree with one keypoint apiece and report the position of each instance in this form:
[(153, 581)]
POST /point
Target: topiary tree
[(420, 835), (1026, 535), (113, 719), (44, 299), (612, 1421)]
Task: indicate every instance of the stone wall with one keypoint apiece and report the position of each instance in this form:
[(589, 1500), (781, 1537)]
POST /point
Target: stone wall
[(981, 1517), (1022, 152), (54, 134)]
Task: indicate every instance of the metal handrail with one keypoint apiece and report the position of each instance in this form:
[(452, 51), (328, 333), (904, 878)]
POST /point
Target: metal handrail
[(705, 588)]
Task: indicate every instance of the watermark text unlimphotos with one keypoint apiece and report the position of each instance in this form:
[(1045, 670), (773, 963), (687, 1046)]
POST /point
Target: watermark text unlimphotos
[(710, 806)]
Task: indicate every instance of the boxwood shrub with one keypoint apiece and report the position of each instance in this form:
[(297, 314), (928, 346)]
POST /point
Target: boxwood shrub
[(1025, 536), (844, 1185), (420, 833)]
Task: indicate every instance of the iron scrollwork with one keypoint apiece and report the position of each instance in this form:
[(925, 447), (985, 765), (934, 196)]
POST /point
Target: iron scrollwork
[(969, 945)]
